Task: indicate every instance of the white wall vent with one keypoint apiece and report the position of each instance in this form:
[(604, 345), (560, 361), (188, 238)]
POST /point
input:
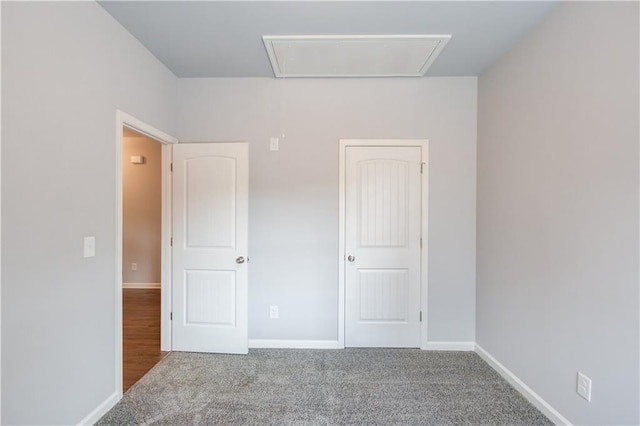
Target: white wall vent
[(353, 55)]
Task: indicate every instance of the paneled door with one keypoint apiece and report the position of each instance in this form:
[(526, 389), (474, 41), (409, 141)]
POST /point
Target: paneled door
[(382, 246), (210, 191)]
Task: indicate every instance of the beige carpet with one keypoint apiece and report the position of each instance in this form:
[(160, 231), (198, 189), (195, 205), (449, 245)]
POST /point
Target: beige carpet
[(324, 387)]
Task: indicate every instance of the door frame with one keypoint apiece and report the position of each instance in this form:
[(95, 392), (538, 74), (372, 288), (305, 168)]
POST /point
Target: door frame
[(424, 264), (126, 120)]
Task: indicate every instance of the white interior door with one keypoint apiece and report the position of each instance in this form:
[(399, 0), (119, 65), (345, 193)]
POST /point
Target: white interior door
[(210, 191), (382, 246)]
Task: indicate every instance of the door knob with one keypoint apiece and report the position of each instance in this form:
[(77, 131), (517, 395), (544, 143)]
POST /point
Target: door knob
[(240, 259), (351, 258)]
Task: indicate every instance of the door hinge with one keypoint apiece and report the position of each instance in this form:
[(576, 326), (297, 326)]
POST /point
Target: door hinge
[(171, 316), (422, 168), (420, 242), (171, 166), (171, 241), (420, 316)]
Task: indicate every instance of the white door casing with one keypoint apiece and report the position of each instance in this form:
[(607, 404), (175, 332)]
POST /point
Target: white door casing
[(210, 221), (384, 218)]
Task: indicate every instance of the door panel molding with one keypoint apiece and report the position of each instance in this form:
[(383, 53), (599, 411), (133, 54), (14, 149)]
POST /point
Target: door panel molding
[(424, 145)]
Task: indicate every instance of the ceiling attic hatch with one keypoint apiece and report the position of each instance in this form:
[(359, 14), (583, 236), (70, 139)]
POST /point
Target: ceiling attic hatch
[(353, 55)]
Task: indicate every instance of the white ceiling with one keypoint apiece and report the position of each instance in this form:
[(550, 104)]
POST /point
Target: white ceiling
[(224, 38)]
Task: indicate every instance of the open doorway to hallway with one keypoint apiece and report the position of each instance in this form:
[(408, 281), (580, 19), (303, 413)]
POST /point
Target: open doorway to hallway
[(141, 255)]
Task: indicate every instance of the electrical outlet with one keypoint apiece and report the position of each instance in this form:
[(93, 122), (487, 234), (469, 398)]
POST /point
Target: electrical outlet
[(274, 312), (134, 266), (584, 386)]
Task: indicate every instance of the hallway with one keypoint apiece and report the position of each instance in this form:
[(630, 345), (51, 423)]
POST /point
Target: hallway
[(141, 334)]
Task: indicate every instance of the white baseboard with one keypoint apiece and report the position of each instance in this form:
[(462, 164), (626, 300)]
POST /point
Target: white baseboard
[(521, 387), (449, 346), (141, 285), (101, 410), (333, 344), (293, 344)]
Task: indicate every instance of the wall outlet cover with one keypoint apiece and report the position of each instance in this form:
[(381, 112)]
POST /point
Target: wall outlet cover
[(584, 386), (274, 312)]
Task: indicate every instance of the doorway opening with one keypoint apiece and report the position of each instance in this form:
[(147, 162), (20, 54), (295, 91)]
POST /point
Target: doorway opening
[(143, 249), (141, 255)]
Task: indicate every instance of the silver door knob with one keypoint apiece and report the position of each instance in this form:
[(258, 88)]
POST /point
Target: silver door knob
[(240, 259), (351, 258)]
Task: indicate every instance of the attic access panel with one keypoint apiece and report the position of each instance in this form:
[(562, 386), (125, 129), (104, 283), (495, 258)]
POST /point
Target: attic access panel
[(353, 56)]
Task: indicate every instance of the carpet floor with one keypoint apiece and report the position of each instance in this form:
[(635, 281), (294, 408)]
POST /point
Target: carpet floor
[(324, 387)]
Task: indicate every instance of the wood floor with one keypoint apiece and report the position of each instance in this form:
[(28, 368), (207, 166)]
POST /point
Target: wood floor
[(141, 333)]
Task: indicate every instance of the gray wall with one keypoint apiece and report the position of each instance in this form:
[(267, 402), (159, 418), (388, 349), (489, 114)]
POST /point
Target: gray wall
[(66, 67), (141, 211), (293, 199), (558, 210)]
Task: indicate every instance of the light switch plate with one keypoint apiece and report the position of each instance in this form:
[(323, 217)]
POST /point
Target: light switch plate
[(89, 246), (273, 144)]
